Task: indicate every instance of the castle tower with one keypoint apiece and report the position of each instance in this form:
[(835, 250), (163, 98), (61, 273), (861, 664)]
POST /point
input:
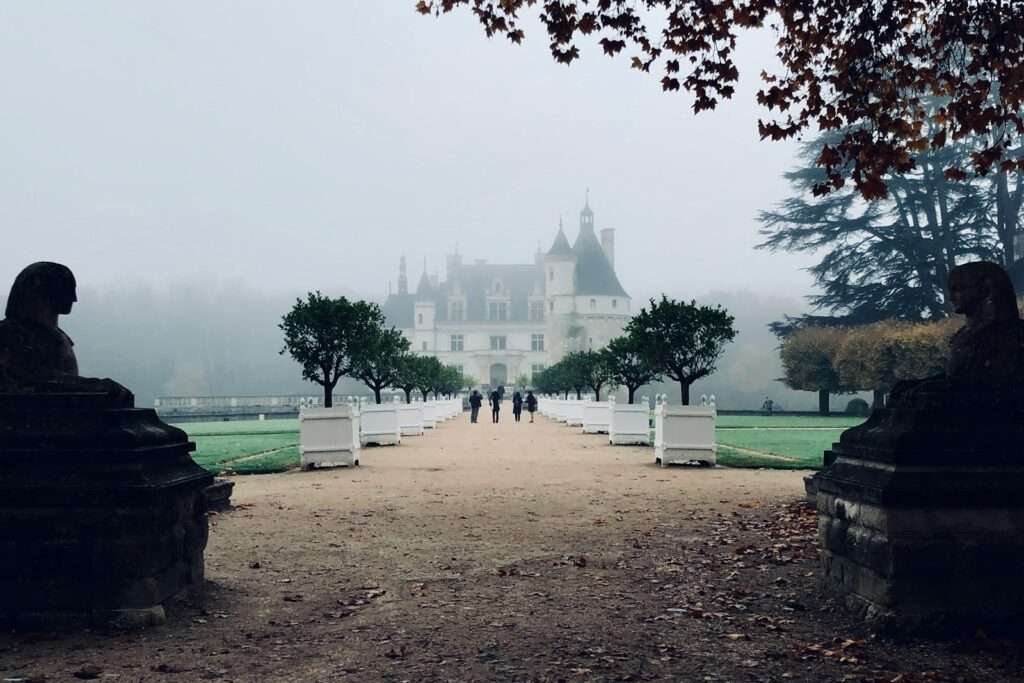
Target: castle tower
[(559, 295), (403, 279)]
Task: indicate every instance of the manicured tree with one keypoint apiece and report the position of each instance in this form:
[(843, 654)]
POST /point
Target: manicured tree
[(377, 357), (598, 372), (629, 365), (808, 362), (575, 371), (320, 333), (408, 377), (450, 380), (866, 359), (430, 376), (875, 357), (682, 341)]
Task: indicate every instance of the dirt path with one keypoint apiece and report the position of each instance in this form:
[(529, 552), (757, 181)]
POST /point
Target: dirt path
[(510, 552)]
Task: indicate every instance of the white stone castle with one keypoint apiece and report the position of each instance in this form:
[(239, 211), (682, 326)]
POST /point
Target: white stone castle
[(499, 323)]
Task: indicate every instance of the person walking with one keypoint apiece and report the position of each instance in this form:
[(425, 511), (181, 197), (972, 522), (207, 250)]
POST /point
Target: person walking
[(531, 404), (517, 405), (475, 401), (495, 405)]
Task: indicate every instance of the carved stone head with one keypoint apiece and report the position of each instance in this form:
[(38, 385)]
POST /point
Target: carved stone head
[(982, 291), (41, 288)]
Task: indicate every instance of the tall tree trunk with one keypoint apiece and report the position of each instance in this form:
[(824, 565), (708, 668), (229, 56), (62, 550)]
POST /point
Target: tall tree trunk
[(579, 394), (408, 395), (632, 392), (328, 395), (376, 395), (877, 399), (823, 408), (425, 393), (684, 392)]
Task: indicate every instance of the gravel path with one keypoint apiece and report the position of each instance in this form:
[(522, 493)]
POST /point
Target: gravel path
[(510, 552)]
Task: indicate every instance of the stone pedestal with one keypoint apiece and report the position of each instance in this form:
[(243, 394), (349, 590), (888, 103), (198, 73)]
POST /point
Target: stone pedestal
[(921, 517), (102, 513)]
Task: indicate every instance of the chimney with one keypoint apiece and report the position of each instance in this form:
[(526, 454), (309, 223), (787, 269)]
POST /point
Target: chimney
[(608, 244)]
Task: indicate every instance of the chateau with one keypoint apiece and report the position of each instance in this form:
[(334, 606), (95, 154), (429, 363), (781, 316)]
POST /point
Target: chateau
[(502, 322)]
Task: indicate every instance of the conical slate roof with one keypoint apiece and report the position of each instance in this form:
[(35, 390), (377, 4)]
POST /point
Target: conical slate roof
[(561, 246), (594, 274)]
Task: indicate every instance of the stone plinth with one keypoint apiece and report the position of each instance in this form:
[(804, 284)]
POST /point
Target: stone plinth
[(102, 513), (921, 517)]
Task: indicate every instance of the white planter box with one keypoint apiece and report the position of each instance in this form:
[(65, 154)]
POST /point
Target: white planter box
[(631, 424), (574, 413), (430, 418), (410, 419), (379, 424), (597, 417), (328, 437), (684, 434)]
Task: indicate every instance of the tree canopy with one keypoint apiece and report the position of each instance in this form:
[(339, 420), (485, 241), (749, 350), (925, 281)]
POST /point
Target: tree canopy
[(378, 356), (809, 362), (862, 67), (629, 365), (891, 258), (682, 340), (322, 334)]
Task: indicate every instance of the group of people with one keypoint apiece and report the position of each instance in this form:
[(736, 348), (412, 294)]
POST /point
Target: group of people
[(476, 399)]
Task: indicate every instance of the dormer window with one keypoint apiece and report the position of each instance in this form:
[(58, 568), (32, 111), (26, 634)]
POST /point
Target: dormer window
[(497, 287)]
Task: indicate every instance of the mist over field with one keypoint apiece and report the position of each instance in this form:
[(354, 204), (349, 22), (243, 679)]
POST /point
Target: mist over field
[(197, 339)]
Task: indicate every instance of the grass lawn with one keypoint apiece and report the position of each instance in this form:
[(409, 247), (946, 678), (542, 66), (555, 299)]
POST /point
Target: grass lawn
[(783, 442), (786, 421), (237, 446)]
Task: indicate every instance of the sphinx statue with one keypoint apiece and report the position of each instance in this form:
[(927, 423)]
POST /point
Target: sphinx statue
[(984, 374), (920, 517), (36, 356), (106, 493)]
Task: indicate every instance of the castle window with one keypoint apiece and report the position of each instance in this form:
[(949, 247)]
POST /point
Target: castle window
[(536, 369), (593, 304), (497, 343), (458, 312), (424, 346), (536, 311), (551, 305), (457, 343), (497, 286), (498, 310), (551, 274), (536, 342), (419, 318), (615, 303)]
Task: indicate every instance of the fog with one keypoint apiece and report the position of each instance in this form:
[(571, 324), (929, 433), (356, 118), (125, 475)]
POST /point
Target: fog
[(199, 165)]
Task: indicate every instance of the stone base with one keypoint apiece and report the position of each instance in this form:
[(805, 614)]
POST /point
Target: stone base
[(218, 494), (102, 514), (931, 549)]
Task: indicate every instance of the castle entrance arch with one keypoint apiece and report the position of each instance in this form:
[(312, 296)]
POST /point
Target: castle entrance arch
[(499, 375)]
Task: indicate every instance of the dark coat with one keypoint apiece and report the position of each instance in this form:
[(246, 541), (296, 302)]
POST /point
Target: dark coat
[(475, 400), (531, 402), (495, 400)]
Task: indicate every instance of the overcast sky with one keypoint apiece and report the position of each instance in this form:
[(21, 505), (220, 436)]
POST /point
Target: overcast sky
[(294, 146)]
